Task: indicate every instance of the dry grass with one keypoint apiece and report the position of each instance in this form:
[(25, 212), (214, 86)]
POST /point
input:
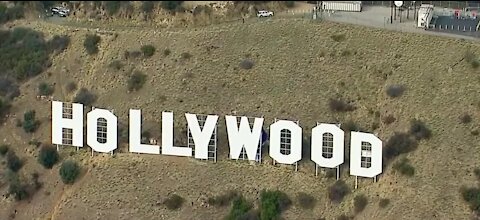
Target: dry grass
[(290, 80)]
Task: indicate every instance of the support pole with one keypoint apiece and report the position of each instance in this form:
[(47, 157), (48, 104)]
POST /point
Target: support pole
[(356, 182), (338, 172)]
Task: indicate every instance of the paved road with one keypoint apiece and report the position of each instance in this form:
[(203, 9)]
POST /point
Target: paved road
[(378, 16)]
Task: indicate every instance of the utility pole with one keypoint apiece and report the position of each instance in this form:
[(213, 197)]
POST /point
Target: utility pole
[(391, 12)]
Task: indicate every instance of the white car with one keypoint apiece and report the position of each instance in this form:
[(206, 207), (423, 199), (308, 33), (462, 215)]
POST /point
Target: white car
[(264, 14)]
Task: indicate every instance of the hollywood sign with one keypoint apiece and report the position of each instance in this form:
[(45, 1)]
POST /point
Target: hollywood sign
[(365, 148)]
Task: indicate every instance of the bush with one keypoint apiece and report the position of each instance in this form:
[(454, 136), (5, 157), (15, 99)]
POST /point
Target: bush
[(85, 97), (419, 130), (399, 143), (116, 65), (16, 188), (13, 162), (91, 43), (10, 14), (48, 156), (472, 196), (246, 64), (174, 202), (223, 200), (404, 167), (69, 171), (166, 52), (350, 126), (290, 4), (476, 171), (59, 43), (136, 81), (8, 88), (30, 124), (186, 55), (338, 37), (337, 105), (148, 6), (395, 90), (359, 203), (389, 119), (3, 149), (471, 58), (171, 6), (272, 203), (23, 53), (465, 118), (338, 191), (148, 50), (71, 86), (132, 54), (45, 89), (4, 107), (383, 203), (112, 7), (240, 209), (305, 201)]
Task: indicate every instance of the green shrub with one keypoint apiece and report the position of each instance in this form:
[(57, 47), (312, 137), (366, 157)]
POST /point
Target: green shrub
[(85, 97), (224, 199), (10, 14), (116, 65), (69, 171), (59, 43), (136, 81), (240, 209), (48, 156), (419, 130), (148, 6), (246, 64), (272, 203), (338, 37), (71, 86), (3, 149), (290, 4), (30, 123), (9, 88), (338, 191), (171, 6), (186, 55), (166, 52), (174, 202), (16, 188), (338, 105), (112, 7), (148, 50), (45, 89), (395, 90), (472, 196), (24, 53), (403, 166), (91, 43), (399, 143), (359, 203), (383, 203), (465, 118), (388, 119), (13, 161), (306, 201)]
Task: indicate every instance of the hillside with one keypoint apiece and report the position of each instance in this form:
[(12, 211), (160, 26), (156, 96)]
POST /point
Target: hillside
[(298, 66)]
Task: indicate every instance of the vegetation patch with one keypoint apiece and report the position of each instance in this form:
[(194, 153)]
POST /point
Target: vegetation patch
[(91, 43), (305, 200), (419, 130), (45, 89), (30, 123), (383, 203), (338, 105), (85, 97), (174, 202), (338, 191), (272, 203), (48, 156), (359, 203), (136, 81), (148, 50), (13, 161), (403, 167), (399, 143), (224, 199), (240, 209), (4, 149), (395, 91), (69, 171)]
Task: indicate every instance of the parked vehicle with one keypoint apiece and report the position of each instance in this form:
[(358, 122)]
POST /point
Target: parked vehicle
[(264, 13), (60, 11)]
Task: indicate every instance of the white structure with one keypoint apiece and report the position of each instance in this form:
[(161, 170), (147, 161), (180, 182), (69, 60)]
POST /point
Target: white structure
[(425, 14), (352, 6), (244, 136)]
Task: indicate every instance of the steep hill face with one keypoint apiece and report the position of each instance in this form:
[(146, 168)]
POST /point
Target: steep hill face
[(298, 66)]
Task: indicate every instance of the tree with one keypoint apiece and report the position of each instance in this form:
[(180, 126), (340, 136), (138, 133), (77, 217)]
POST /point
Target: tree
[(13, 162)]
